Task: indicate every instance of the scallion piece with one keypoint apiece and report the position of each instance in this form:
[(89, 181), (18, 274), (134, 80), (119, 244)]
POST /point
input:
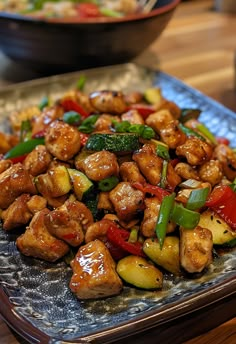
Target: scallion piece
[(164, 174), (81, 83), (184, 217), (23, 148), (72, 117), (206, 132), (164, 217), (148, 133), (163, 152), (110, 13), (43, 103), (197, 198), (87, 125), (190, 132), (133, 236), (108, 184)]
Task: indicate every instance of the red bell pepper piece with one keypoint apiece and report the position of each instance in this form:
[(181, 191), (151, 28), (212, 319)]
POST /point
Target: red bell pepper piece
[(222, 200), (18, 159), (71, 105), (152, 189), (223, 140), (116, 251), (69, 236), (88, 10), (144, 109), (119, 237)]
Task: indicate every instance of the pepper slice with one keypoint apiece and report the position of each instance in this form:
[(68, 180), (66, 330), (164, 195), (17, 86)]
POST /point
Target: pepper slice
[(120, 237), (184, 217), (222, 200), (144, 109), (152, 189), (23, 148), (197, 198), (71, 105)]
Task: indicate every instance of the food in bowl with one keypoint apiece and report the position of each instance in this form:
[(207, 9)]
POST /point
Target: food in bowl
[(125, 187), (78, 10)]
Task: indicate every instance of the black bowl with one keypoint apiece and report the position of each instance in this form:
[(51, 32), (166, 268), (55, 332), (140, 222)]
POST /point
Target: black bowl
[(56, 46)]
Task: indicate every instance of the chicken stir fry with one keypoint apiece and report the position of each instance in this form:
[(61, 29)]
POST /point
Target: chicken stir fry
[(124, 187)]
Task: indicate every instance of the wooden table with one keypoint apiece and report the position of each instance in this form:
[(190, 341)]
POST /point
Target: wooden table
[(198, 47)]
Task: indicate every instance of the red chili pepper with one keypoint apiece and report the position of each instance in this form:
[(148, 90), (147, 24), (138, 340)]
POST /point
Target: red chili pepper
[(116, 252), (222, 200), (39, 134), (18, 159), (223, 140), (88, 10), (83, 138), (119, 238), (144, 109), (175, 161), (152, 189), (71, 105)]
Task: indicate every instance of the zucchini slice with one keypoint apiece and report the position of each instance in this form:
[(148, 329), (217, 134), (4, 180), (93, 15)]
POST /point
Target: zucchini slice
[(221, 232), (118, 142), (81, 184)]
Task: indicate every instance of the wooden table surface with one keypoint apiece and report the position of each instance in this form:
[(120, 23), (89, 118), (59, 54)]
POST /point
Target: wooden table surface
[(199, 47)]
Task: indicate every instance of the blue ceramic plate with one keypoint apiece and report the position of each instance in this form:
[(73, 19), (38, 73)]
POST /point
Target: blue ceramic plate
[(35, 298)]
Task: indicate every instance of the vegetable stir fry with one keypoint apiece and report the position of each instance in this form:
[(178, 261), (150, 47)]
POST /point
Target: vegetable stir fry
[(75, 9), (125, 187)]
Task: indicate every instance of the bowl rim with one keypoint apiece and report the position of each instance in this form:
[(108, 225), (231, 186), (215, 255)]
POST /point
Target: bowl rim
[(104, 20)]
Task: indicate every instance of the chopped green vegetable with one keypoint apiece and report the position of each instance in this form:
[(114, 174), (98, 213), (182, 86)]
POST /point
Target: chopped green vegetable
[(206, 132), (25, 131), (153, 95), (23, 148), (87, 125), (110, 13), (108, 184), (187, 114), (81, 82), (71, 117), (184, 217), (190, 132), (133, 237), (163, 152), (142, 130), (164, 174), (43, 103), (197, 198), (164, 217)]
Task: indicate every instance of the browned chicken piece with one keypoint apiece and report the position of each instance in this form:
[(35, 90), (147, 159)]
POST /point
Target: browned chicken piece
[(98, 230), (195, 249), (62, 140), (4, 165), (69, 222), (38, 242), (104, 122), (129, 172), (134, 97), (127, 201), (185, 171), (227, 157), (124, 224), (149, 163), (133, 117), (17, 117), (167, 127), (100, 165), (36, 203), (15, 181), (7, 142), (112, 102), (84, 101), (152, 207), (172, 107), (17, 214), (196, 151), (47, 116), (104, 201), (37, 161), (211, 172), (94, 272), (172, 178)]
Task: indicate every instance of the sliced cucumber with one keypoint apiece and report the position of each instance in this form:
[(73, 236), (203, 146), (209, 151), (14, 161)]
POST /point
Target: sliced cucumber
[(118, 142)]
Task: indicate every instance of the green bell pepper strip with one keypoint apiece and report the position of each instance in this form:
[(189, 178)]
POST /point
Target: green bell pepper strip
[(197, 198), (184, 217), (108, 184), (164, 217), (23, 148), (190, 132), (206, 132)]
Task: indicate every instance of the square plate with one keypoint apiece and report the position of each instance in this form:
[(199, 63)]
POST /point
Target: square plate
[(35, 298)]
